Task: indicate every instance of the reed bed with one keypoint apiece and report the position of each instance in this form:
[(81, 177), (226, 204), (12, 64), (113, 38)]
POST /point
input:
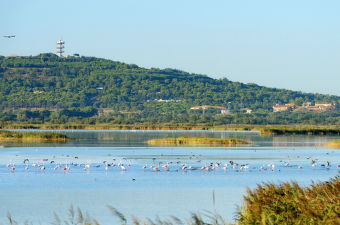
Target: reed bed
[(193, 141), (293, 129), (300, 131), (44, 136), (288, 203)]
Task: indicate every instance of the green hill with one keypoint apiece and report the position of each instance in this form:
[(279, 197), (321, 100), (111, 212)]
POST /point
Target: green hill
[(82, 86)]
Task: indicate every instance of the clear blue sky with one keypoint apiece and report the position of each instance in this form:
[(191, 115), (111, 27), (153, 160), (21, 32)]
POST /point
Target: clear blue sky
[(292, 44)]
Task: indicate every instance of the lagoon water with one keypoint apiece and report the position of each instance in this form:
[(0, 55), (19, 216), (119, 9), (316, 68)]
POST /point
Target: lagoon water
[(34, 195)]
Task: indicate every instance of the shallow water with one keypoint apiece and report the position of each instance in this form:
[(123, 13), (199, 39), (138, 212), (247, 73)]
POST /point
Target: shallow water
[(34, 194)]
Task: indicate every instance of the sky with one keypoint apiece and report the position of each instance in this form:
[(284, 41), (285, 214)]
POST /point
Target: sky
[(291, 44)]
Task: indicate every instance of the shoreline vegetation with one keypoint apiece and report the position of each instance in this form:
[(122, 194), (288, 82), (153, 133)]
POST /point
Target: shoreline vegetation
[(284, 203), (262, 129), (334, 144), (197, 141), (6, 135)]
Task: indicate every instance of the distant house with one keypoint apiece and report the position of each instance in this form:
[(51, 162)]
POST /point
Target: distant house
[(285, 107), (37, 92), (279, 108), (224, 110), (306, 104), (313, 108), (246, 110), (290, 105), (324, 104), (168, 100), (318, 107)]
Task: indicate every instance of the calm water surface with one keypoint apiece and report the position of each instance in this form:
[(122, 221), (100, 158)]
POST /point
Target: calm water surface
[(34, 194)]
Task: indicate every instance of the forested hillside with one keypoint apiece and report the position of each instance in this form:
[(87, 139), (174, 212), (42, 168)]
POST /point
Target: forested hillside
[(79, 86)]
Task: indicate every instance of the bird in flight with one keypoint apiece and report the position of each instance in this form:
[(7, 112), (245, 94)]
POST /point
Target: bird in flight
[(9, 36)]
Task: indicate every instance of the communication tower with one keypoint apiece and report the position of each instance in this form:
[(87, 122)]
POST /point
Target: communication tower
[(60, 47)]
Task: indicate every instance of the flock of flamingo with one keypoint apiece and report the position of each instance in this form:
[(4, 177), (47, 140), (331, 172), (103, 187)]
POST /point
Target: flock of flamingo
[(124, 165)]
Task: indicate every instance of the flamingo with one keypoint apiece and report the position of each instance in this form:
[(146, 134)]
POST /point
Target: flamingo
[(87, 166), (122, 168), (165, 166), (120, 163)]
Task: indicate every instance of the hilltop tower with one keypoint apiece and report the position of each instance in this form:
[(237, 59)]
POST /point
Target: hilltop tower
[(60, 47)]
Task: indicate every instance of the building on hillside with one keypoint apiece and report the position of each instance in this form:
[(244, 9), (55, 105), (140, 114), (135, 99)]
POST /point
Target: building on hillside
[(324, 104), (318, 107), (306, 104), (246, 110), (308, 109), (224, 110), (290, 105), (285, 107), (168, 100)]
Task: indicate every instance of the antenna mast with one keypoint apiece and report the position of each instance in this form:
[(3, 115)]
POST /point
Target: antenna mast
[(60, 47)]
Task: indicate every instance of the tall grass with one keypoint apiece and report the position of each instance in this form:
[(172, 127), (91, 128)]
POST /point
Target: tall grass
[(288, 203), (198, 141)]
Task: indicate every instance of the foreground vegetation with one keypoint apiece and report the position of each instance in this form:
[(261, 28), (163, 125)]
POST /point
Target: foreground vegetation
[(334, 144), (34, 136), (193, 141), (288, 203)]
